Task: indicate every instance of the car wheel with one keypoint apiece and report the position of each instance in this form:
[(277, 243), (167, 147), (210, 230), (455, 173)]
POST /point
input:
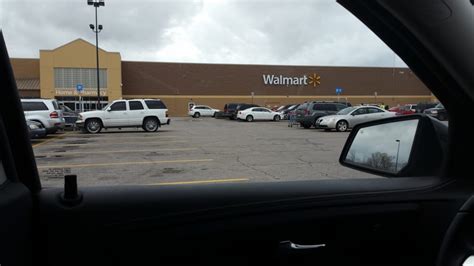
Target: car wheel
[(214, 114), (249, 118), (93, 126), (341, 126), (196, 115), (231, 118), (151, 124), (276, 118), (306, 126)]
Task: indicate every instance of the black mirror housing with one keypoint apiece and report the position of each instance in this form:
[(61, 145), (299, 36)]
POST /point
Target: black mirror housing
[(427, 152)]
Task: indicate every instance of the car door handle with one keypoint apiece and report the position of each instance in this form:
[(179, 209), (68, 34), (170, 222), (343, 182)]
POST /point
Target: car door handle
[(293, 246)]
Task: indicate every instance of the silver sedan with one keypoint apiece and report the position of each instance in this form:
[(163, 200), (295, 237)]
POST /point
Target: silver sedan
[(352, 116)]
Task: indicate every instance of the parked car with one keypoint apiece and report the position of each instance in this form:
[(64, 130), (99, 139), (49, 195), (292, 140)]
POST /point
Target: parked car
[(402, 110), (286, 112), (352, 116), (149, 114), (202, 110), (229, 110), (283, 107), (70, 116), (35, 129), (421, 107), (438, 111), (44, 111), (243, 106), (258, 113), (308, 113)]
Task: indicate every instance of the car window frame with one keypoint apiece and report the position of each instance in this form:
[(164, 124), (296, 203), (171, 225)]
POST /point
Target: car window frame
[(373, 108), (130, 106), (357, 110), (31, 103), (160, 103), (118, 102)]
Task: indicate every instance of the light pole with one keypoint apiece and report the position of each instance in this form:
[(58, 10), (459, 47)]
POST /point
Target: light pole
[(398, 152), (96, 29)]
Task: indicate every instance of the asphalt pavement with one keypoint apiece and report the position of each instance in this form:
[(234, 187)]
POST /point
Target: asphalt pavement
[(194, 151)]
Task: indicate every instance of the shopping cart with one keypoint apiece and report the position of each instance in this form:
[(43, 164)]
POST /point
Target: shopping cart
[(292, 119)]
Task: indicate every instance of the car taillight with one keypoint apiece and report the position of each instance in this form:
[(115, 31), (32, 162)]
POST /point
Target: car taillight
[(166, 113), (54, 115)]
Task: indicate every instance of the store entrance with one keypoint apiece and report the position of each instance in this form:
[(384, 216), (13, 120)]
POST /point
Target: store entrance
[(82, 104)]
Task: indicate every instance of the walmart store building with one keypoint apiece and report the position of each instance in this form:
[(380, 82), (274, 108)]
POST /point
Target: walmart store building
[(57, 73)]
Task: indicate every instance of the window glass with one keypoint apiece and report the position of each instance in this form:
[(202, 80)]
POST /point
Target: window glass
[(360, 111), (118, 106), (312, 57), (34, 106), (69, 78), (375, 110), (331, 107), (152, 104), (135, 105), (319, 106), (55, 105)]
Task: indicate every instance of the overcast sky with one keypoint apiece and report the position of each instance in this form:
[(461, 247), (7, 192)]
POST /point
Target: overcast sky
[(318, 32)]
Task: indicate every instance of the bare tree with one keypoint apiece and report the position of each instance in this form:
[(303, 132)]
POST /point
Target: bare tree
[(382, 161)]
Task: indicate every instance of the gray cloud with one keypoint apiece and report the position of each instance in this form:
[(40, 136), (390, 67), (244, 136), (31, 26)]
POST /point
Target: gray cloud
[(256, 32)]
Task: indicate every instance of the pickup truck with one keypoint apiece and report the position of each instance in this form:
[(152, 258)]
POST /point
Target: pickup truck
[(149, 114)]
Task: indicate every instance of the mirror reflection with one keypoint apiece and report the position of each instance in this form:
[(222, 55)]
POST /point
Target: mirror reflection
[(384, 147)]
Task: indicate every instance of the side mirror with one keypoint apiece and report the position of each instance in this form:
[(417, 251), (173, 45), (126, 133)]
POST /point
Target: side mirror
[(405, 146), (109, 109)]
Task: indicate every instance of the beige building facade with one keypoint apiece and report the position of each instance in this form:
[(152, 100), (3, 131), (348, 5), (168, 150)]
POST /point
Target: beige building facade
[(58, 73), (64, 68)]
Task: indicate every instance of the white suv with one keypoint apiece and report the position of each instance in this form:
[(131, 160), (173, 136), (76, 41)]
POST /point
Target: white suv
[(148, 114), (44, 111), (202, 110)]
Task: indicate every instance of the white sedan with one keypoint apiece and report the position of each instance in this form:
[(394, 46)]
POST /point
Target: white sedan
[(202, 110), (352, 116), (258, 113)]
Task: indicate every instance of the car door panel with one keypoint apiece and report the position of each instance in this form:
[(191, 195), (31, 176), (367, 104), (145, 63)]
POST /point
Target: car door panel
[(257, 114), (368, 219), (208, 111), (267, 114), (116, 118), (357, 119), (135, 115)]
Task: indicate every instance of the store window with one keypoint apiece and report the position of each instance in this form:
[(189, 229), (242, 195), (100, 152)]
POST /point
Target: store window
[(68, 78)]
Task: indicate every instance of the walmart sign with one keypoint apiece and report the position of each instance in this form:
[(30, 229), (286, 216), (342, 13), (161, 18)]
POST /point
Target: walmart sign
[(280, 80)]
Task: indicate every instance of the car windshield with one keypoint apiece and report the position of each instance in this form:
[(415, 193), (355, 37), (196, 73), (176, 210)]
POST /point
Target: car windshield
[(346, 111)]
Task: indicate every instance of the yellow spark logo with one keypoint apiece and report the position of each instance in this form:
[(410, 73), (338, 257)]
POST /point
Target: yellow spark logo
[(315, 80)]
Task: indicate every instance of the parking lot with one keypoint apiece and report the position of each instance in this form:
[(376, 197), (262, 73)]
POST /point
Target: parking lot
[(193, 151)]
